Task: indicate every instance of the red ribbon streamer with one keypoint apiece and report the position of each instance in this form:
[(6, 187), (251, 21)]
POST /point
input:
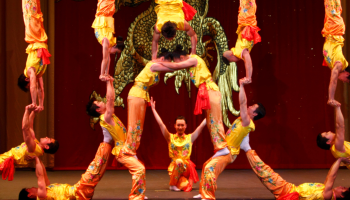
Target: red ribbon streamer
[(9, 169), (202, 101), (44, 55), (189, 11)]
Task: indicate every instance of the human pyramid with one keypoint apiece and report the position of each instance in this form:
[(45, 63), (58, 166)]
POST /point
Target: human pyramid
[(172, 15)]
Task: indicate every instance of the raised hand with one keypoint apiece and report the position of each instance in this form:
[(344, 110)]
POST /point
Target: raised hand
[(153, 104), (244, 81), (31, 107), (333, 103)]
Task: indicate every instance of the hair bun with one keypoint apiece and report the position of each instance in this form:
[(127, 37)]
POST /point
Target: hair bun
[(164, 50), (178, 47), (119, 39)]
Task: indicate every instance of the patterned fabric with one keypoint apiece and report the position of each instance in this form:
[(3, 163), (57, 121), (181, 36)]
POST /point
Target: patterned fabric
[(236, 133), (247, 10), (105, 8), (33, 22), (136, 118), (169, 10), (138, 172), (210, 173), (118, 132), (104, 28), (180, 147), (200, 74), (19, 154), (60, 192), (310, 191), (338, 154), (333, 22), (241, 44), (179, 172), (34, 61), (333, 53)]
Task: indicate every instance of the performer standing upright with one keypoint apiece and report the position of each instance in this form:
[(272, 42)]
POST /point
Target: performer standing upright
[(333, 31), (18, 156), (38, 55), (248, 36), (104, 31), (173, 15), (182, 170)]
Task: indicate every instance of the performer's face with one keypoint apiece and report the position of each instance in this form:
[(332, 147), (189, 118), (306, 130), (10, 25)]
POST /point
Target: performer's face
[(33, 192), (251, 110), (180, 126), (101, 105), (329, 135), (46, 140), (339, 191)]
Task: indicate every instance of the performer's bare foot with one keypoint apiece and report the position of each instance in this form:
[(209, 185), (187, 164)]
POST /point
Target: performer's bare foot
[(174, 188), (198, 196), (145, 197)]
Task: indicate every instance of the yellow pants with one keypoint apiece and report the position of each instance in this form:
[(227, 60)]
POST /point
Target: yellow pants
[(138, 172), (332, 51), (179, 173), (210, 173), (94, 173), (242, 44)]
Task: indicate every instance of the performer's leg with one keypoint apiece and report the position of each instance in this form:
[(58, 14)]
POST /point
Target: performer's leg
[(138, 172), (214, 121), (210, 173), (94, 173), (177, 172), (272, 181), (136, 117)]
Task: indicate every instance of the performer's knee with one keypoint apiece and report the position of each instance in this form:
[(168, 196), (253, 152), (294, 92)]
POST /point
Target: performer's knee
[(228, 57), (179, 162)]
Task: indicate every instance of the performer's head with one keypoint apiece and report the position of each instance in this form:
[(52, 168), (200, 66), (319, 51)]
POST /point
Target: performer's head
[(50, 145), (28, 194), (342, 193), (256, 111), (169, 30), (119, 47), (228, 57), (180, 125), (165, 55), (95, 108), (179, 55), (345, 75), (325, 140), (23, 82)]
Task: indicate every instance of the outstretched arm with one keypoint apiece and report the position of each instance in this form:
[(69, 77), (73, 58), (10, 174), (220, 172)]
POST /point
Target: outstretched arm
[(28, 133), (190, 32), (41, 95), (105, 58), (340, 130), (243, 104), (110, 96), (157, 67), (33, 89), (181, 65), (162, 126), (198, 131), (40, 174), (333, 85), (156, 37)]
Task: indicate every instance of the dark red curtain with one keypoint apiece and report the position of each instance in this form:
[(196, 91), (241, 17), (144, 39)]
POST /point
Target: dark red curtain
[(288, 78)]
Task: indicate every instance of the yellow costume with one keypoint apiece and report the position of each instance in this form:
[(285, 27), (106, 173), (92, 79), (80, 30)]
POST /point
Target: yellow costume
[(34, 61), (338, 154), (169, 10), (278, 186), (236, 133), (333, 31), (241, 44), (118, 132), (104, 21), (19, 154), (84, 189)]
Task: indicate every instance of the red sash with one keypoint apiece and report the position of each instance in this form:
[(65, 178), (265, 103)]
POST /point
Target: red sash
[(291, 196), (8, 169), (189, 11), (324, 63), (193, 177), (202, 101), (251, 33), (44, 55)]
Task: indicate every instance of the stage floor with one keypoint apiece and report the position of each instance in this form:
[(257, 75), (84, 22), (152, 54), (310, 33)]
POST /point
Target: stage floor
[(232, 184)]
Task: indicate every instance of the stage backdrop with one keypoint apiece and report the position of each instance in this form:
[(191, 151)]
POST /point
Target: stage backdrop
[(288, 78)]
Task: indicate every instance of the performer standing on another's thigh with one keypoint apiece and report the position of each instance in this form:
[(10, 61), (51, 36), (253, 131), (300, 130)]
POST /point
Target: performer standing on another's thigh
[(333, 31), (248, 36), (182, 170), (283, 190), (104, 31), (38, 55)]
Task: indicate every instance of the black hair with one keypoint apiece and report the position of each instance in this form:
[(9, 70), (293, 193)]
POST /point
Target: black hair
[(22, 82), (169, 29), (91, 109), (225, 60), (23, 195), (120, 43), (260, 111), (166, 54), (179, 52), (53, 147), (180, 117), (322, 142), (346, 195)]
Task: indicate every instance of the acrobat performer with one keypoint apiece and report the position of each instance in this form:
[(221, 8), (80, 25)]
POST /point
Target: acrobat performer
[(173, 15), (335, 141), (333, 31), (248, 36), (18, 156), (104, 31), (284, 190), (182, 170), (38, 55)]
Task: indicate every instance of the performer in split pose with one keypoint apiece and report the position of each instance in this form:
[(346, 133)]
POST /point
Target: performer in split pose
[(248, 36), (333, 31), (173, 15), (182, 170), (104, 31), (38, 55), (283, 190), (18, 156), (335, 141)]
